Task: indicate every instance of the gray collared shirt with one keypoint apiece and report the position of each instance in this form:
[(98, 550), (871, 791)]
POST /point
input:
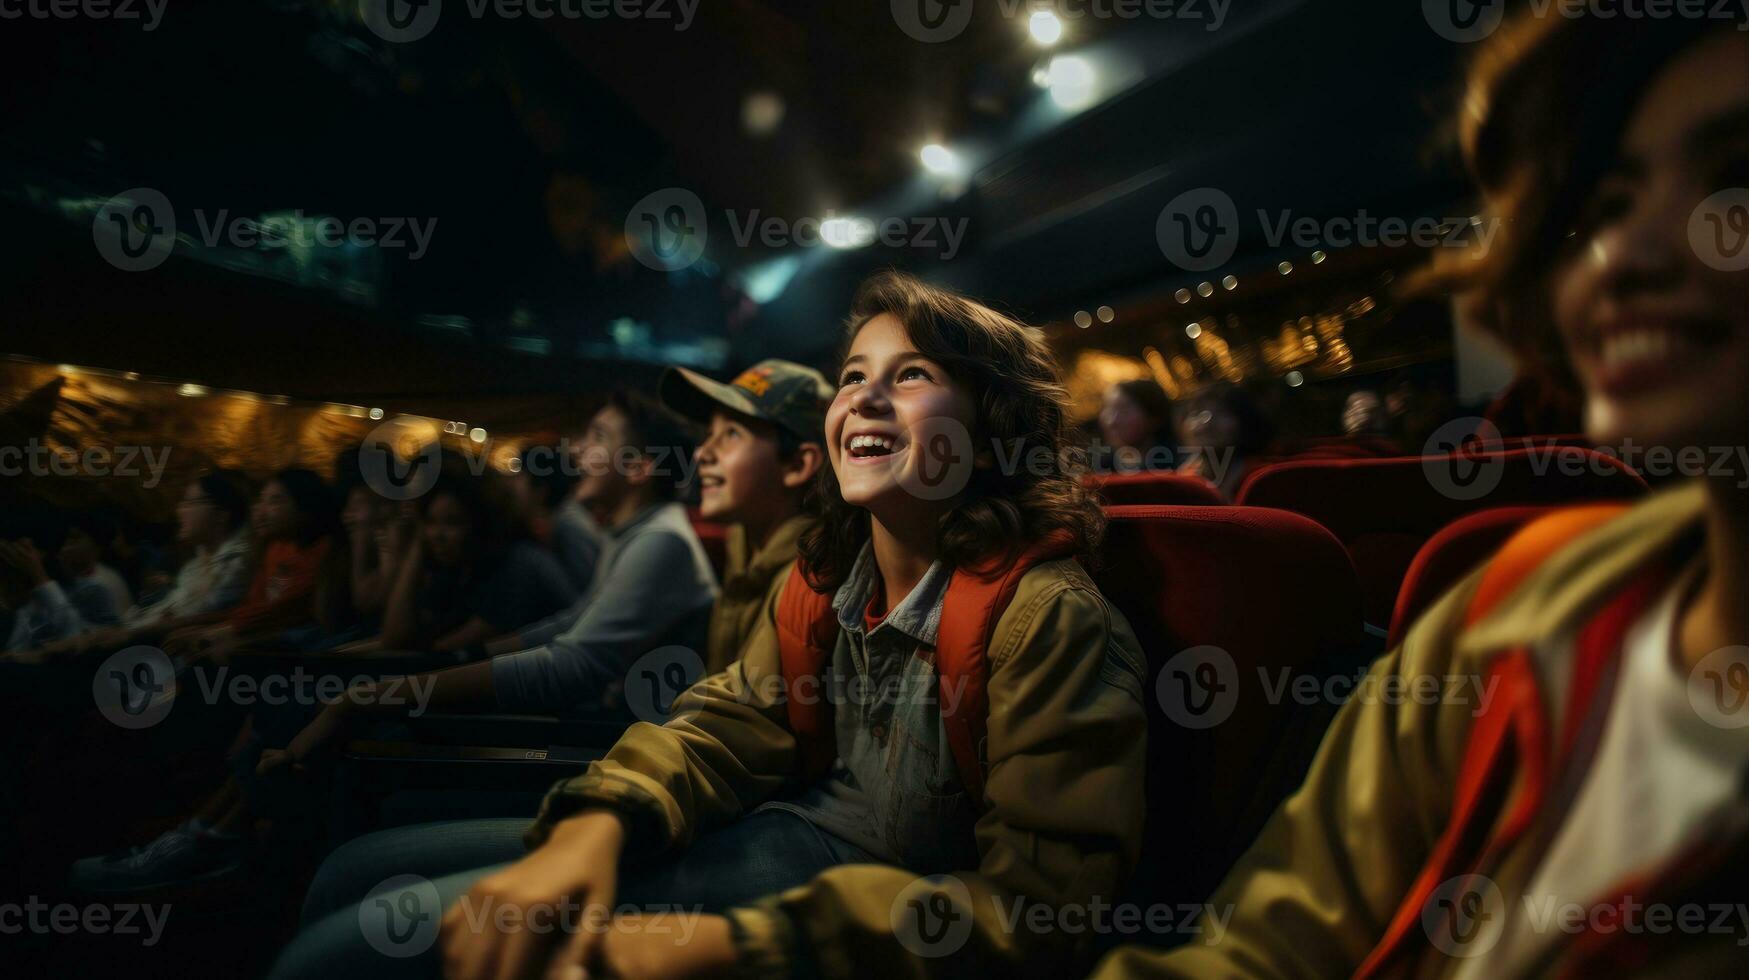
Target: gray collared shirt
[(653, 579), (894, 790)]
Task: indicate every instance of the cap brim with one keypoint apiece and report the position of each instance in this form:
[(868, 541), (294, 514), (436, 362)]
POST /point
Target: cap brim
[(695, 396)]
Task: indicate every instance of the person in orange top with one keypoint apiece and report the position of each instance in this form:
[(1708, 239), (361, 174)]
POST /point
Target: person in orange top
[(294, 521)]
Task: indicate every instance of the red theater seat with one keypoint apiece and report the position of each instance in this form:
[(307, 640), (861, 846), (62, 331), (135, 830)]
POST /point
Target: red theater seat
[(1384, 510), (1274, 593), (1166, 489), (1458, 549)]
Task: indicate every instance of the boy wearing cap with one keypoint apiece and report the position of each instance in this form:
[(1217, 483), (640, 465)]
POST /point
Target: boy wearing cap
[(755, 467)]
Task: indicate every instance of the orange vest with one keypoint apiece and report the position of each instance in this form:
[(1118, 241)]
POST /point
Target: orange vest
[(807, 633)]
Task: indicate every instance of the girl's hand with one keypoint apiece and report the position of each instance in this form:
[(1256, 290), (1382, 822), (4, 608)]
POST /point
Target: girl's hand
[(641, 947), (569, 882)]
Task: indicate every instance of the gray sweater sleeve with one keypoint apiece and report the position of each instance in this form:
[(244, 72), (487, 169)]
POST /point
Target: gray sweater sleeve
[(644, 592)]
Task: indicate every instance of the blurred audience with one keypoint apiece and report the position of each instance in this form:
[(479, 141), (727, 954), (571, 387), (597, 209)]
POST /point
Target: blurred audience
[(1135, 428), (1224, 432)]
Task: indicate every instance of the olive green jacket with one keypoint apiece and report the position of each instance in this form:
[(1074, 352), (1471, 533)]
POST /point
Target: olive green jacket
[(748, 580), (1316, 891), (1064, 799)]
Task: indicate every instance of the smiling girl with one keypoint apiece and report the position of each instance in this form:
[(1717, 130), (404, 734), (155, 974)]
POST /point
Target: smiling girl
[(937, 689)]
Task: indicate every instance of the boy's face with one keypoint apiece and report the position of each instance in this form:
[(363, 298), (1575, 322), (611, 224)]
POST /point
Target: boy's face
[(900, 428), (1651, 302), (602, 457), (739, 473)]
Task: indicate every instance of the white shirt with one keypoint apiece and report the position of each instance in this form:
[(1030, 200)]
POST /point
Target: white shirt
[(1661, 768)]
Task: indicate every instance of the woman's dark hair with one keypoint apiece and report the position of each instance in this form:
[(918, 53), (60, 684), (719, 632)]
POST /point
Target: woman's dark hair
[(1255, 430), (229, 492), (1147, 394), (1020, 407), (660, 434), (318, 510), (1544, 106), (540, 467), (492, 525)]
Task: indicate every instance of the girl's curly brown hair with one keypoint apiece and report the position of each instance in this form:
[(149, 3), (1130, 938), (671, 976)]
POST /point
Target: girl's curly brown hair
[(1021, 406)]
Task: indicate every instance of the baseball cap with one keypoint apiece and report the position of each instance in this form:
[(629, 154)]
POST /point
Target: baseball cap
[(782, 392)]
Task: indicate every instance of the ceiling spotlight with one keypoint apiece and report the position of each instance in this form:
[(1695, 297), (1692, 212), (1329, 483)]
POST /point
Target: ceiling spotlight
[(1046, 28), (846, 232), (1295, 379), (1083, 319), (1106, 314), (191, 390), (1230, 283), (1318, 257), (1285, 268), (376, 413), (1072, 82), (1182, 296), (1193, 330), (938, 159), (762, 112), (477, 435)]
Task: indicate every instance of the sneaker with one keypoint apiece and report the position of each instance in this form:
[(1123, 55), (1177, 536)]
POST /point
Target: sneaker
[(186, 854)]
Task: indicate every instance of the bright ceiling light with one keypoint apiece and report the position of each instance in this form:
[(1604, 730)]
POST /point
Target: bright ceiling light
[(938, 159), (846, 232), (1072, 82), (1046, 28)]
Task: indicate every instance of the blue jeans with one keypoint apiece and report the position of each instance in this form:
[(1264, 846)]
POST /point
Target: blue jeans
[(756, 856)]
